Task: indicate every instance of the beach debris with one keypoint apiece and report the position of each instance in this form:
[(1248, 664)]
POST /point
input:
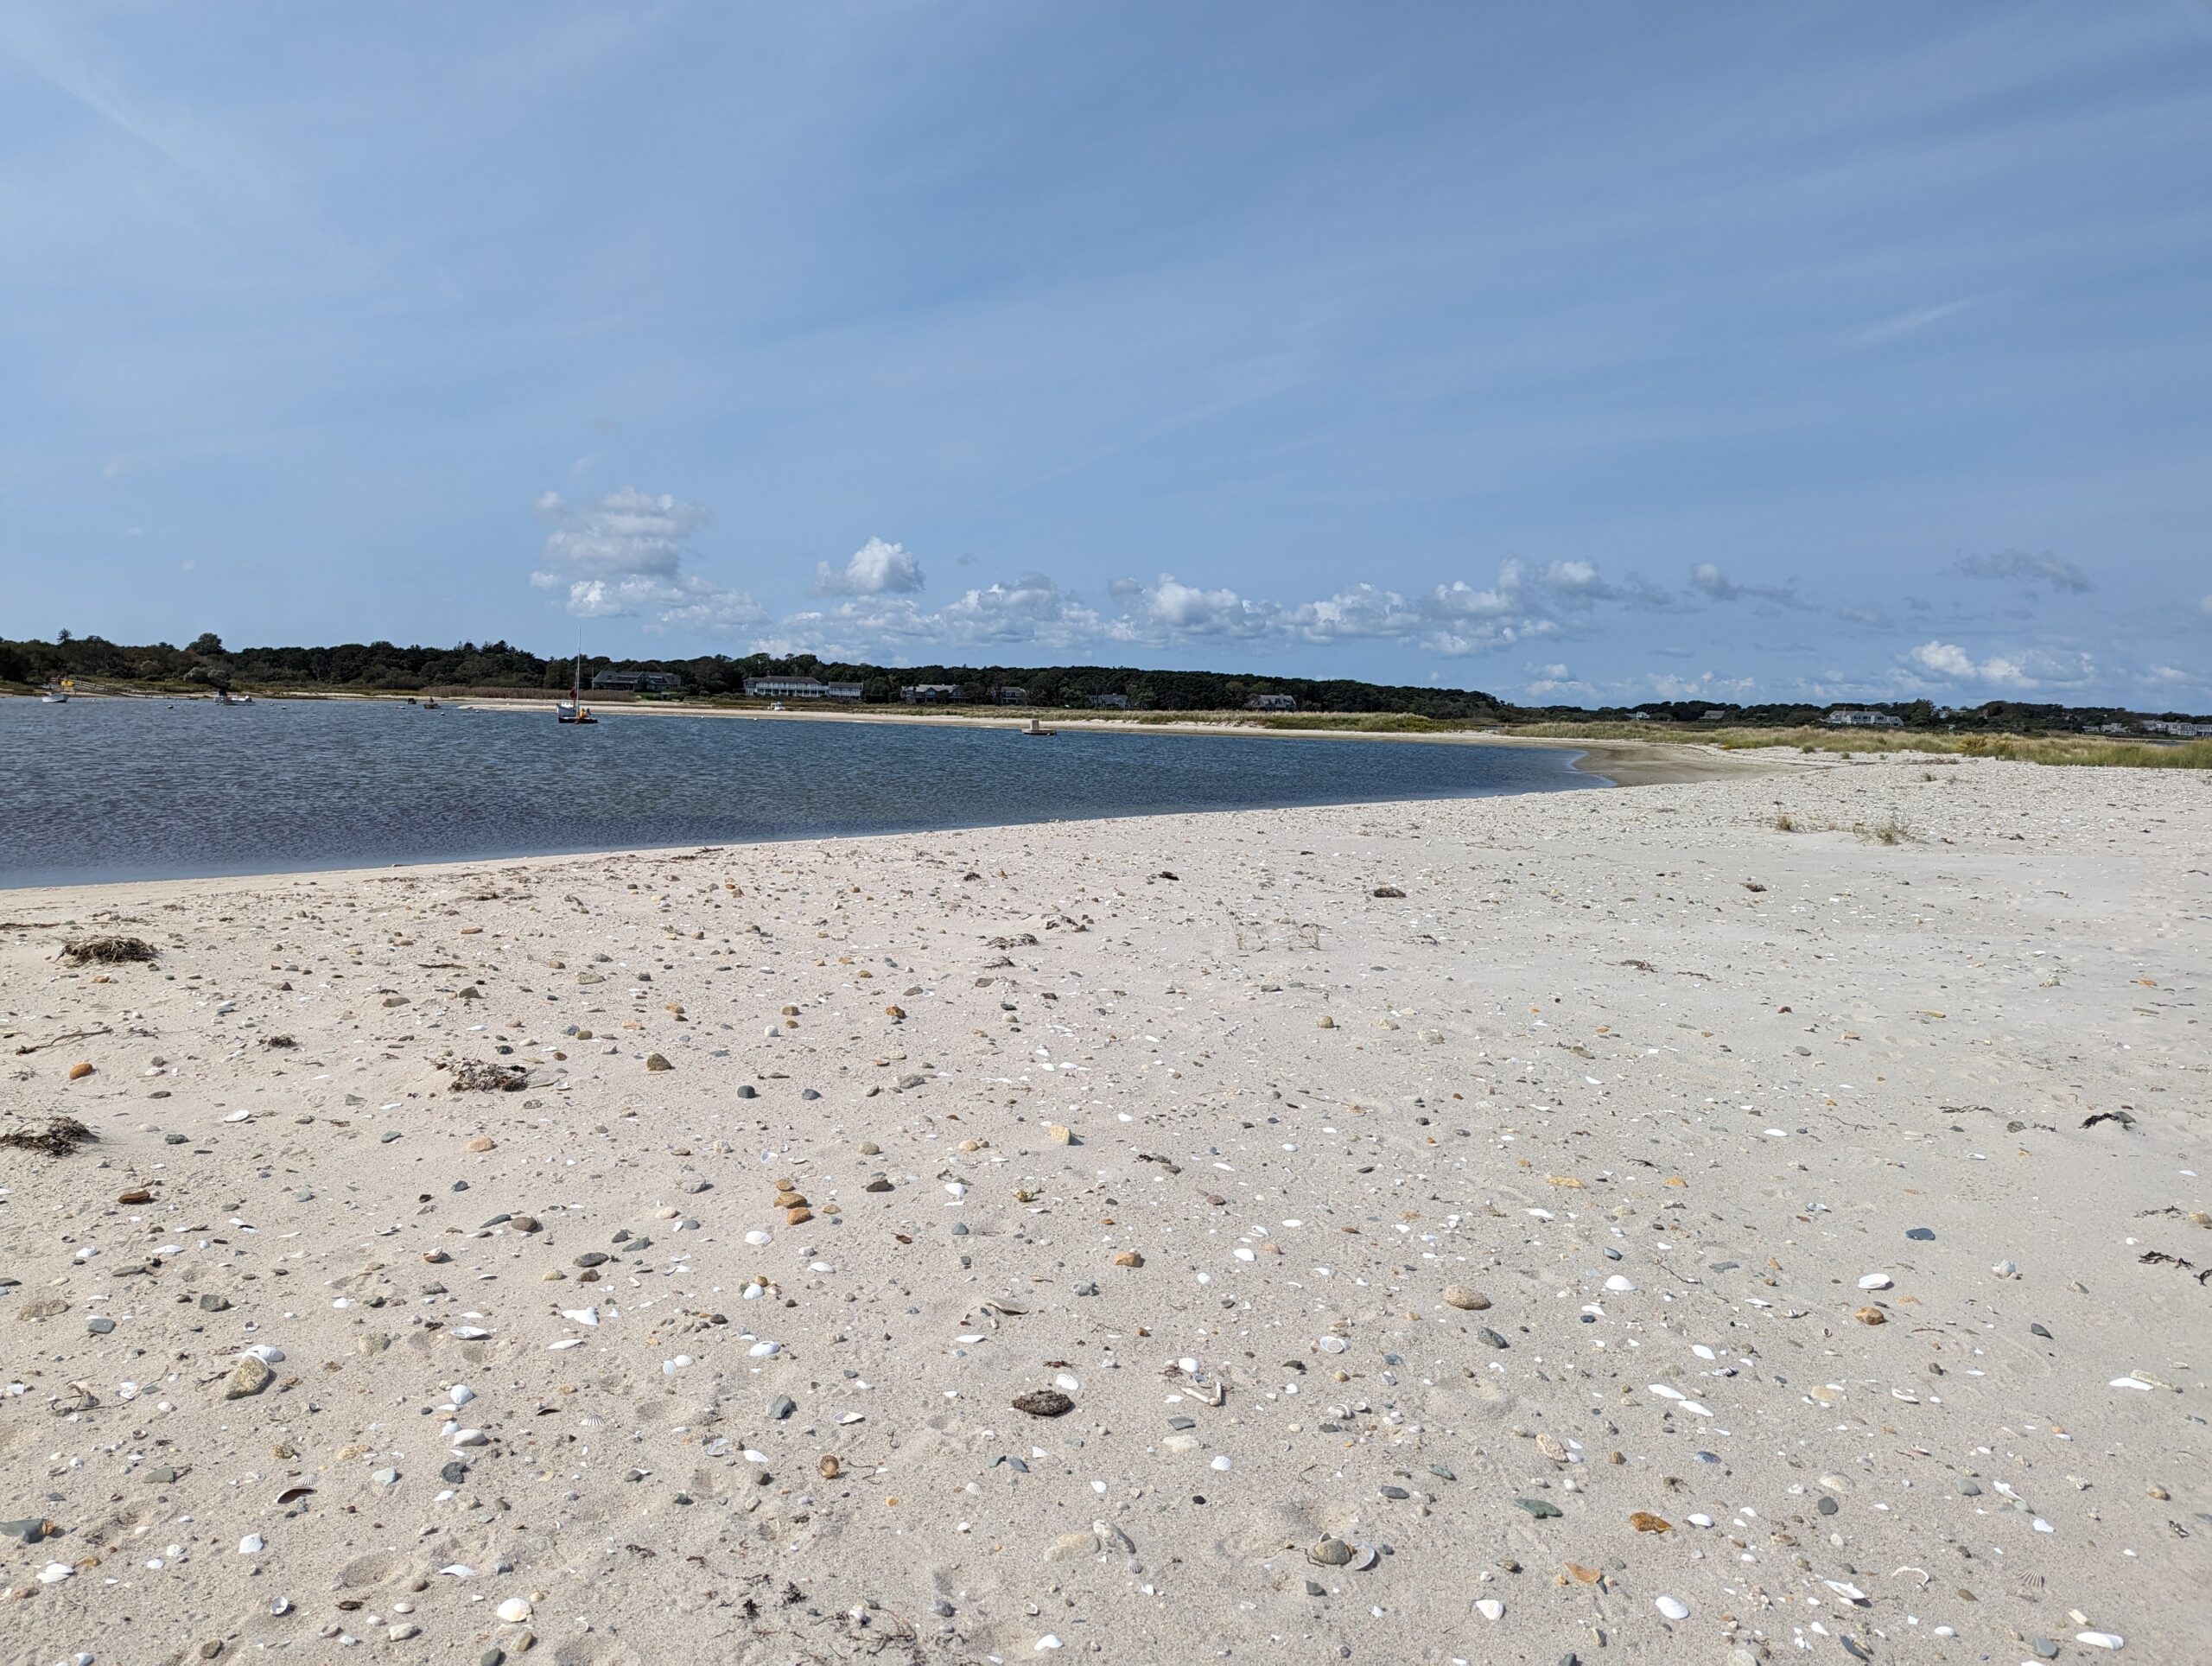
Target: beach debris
[(1044, 1402), (481, 1076), (249, 1376), (1464, 1297), (107, 950), (60, 1137)]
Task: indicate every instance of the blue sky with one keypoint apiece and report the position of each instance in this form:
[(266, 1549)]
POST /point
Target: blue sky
[(1580, 353)]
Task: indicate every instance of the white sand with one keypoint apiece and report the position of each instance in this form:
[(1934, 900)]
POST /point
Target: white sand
[(1643, 1024)]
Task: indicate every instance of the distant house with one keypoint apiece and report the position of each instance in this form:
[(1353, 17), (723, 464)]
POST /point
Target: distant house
[(799, 687), (1109, 701), (637, 682), (2168, 726), (1271, 703), (1010, 696), (1847, 718), (1639, 717), (931, 694), (1712, 717)]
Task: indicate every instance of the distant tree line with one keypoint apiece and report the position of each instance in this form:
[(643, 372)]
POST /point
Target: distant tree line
[(384, 667)]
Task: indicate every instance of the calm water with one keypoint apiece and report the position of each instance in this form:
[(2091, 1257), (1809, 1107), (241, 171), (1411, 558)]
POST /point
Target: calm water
[(134, 789)]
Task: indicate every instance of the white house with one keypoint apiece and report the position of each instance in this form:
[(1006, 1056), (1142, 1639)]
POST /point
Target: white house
[(1852, 719), (799, 687)]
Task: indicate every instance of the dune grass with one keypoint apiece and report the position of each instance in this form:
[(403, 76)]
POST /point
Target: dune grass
[(2107, 751)]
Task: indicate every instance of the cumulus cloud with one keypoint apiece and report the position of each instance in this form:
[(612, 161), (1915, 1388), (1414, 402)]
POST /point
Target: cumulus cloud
[(2015, 567), (623, 556), (1550, 682), (2039, 668), (876, 568)]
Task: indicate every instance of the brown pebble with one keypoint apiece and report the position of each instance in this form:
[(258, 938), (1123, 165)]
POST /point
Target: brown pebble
[(136, 1194), (894, 1012), (1871, 1316), (482, 1142), (1061, 1134), (1644, 1521), (654, 1061), (81, 1068), (1465, 1298), (798, 1217), (830, 1467), (1128, 1258)]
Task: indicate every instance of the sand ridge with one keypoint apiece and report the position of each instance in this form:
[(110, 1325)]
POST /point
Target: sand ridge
[(1603, 1224)]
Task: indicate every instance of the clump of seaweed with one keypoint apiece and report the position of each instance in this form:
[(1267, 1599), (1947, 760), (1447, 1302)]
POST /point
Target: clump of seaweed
[(107, 950), (475, 1076), (60, 1138)]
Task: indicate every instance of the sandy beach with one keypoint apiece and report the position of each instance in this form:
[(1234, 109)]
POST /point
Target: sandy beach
[(1596, 1226)]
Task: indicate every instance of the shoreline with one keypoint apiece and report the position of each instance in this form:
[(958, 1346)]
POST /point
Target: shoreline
[(1622, 762), (1269, 1184)]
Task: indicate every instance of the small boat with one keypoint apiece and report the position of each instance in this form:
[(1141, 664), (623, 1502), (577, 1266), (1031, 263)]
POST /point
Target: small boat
[(428, 705), (573, 709), (1039, 730), (57, 694), (225, 697)]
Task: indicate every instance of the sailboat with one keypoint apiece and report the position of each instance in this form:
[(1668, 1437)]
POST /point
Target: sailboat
[(573, 709)]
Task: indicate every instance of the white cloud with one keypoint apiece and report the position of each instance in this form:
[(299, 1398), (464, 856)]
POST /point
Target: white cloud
[(874, 569), (2037, 668), (623, 555), (1919, 319), (1715, 583), (1550, 682), (2014, 566)]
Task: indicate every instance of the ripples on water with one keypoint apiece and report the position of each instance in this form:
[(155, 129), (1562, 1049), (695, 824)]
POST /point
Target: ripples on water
[(133, 789)]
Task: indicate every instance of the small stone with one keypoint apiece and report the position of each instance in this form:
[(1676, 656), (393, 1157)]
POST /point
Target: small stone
[(30, 1530), (1827, 1506), (782, 1406), (1465, 1298), (1329, 1553), (482, 1142), (1061, 1133), (99, 1326), (1128, 1258), (1489, 1607), (249, 1376), (655, 1062), (745, 1091), (81, 1070), (1044, 1402), (1871, 1316), (212, 1301), (1491, 1338), (1542, 1508), (1324, 1022)]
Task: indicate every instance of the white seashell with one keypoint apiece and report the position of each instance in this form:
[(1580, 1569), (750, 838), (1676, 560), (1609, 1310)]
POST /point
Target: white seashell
[(2128, 1383), (1222, 1462), (458, 1571), (759, 1239), (1489, 1607), (581, 1315), (1875, 1281), (1666, 1393), (1702, 1351), (765, 1350), (252, 1545), (468, 1333), (1672, 1607), (2111, 1640), (264, 1353), (571, 1342), (1067, 1383), (514, 1611), (461, 1394), (1619, 1285)]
